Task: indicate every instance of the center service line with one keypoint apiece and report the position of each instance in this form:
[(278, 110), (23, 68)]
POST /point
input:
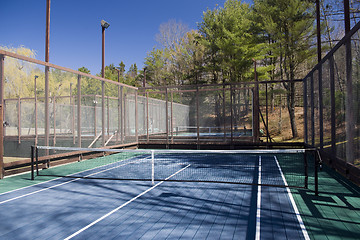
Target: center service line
[(258, 211)]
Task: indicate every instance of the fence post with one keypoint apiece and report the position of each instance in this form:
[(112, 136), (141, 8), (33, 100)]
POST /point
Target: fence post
[(54, 116), (147, 117), (2, 79), (103, 112), (136, 118), (197, 117), (79, 110), (305, 110), (224, 112), (167, 116), (47, 113), (231, 115), (321, 125), (73, 114), (36, 114), (171, 117), (312, 110), (121, 115), (349, 103), (333, 115), (256, 108), (19, 119)]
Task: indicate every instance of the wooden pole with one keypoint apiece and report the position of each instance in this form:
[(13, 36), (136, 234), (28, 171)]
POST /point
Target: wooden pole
[(19, 120), (171, 118), (72, 103), (54, 116), (224, 113), (136, 118), (79, 110), (333, 104), (256, 106), (349, 103), (147, 117), (231, 114), (36, 116), (197, 117), (121, 115), (103, 112), (2, 80), (47, 48), (318, 30), (167, 116)]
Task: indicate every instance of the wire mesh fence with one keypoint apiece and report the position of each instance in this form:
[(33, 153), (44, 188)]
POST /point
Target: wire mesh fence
[(332, 102), (62, 107)]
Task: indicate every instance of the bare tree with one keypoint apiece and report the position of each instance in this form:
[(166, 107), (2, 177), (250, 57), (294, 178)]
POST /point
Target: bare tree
[(171, 34)]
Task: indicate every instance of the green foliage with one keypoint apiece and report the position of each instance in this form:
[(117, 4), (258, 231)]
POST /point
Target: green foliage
[(232, 39), (19, 75)]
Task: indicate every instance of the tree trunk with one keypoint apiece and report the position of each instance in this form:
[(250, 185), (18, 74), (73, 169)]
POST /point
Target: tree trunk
[(290, 94)]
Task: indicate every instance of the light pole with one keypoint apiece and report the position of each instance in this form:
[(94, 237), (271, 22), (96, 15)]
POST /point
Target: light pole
[(47, 50), (144, 80), (104, 25), (118, 71)]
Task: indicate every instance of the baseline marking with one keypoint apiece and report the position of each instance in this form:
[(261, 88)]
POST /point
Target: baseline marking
[(123, 205), (297, 213)]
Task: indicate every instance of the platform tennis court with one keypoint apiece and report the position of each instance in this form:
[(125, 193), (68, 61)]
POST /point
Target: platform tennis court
[(80, 208)]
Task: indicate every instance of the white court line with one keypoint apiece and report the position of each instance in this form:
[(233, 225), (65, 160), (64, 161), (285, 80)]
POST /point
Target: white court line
[(301, 223), (60, 184), (123, 205), (18, 189), (258, 207)]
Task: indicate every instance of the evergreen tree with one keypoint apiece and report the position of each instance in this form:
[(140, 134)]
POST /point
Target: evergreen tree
[(289, 25)]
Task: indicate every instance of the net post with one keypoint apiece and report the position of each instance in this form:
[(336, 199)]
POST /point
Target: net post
[(32, 162), (152, 167), (37, 161), (306, 171), (316, 180)]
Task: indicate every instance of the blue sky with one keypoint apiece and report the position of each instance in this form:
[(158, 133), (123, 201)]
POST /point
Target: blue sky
[(75, 31)]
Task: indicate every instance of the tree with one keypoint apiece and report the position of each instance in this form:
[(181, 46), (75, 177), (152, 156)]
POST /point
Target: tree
[(232, 39), (290, 26), (84, 70), (19, 75), (171, 34), (157, 70)]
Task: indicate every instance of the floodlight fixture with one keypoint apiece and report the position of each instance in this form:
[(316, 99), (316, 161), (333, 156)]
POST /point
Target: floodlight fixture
[(104, 24)]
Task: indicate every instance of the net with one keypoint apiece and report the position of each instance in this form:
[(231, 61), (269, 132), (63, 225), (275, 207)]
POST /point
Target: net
[(276, 167)]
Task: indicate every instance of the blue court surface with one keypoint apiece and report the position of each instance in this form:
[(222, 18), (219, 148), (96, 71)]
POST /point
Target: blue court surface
[(77, 208)]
